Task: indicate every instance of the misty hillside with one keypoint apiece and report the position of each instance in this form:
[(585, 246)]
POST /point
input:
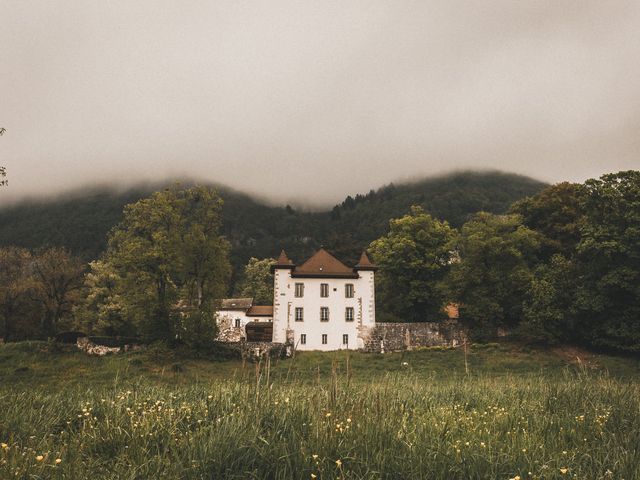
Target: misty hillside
[(81, 221)]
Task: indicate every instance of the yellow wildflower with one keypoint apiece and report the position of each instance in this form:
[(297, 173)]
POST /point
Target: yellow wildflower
[(39, 458), (4, 446), (314, 456), (564, 470), (58, 461), (328, 414), (339, 463), (313, 476)]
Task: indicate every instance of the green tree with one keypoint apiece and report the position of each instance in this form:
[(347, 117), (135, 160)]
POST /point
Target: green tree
[(608, 257), (258, 281), (493, 274), (102, 309), (413, 258), (57, 279), (556, 213), (168, 252), (549, 311), (16, 282)]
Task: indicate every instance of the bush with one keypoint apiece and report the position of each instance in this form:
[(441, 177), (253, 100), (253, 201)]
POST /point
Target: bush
[(69, 337), (199, 332), (159, 352), (114, 342)]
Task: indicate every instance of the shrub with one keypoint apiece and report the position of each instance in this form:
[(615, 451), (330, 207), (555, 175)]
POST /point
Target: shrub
[(69, 337), (114, 342)]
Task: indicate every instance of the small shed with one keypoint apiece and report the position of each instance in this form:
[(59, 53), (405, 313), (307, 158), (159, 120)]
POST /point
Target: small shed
[(259, 331)]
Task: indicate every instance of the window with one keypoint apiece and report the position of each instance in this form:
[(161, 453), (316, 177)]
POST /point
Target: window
[(324, 338), (299, 290), (237, 323), (348, 290), (348, 314), (345, 339), (324, 314), (303, 339), (299, 314), (324, 289)]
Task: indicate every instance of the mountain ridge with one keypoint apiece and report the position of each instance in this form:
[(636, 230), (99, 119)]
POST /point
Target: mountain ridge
[(81, 219)]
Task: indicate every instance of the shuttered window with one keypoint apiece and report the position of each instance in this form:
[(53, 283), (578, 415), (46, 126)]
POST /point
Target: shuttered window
[(348, 290), (348, 314)]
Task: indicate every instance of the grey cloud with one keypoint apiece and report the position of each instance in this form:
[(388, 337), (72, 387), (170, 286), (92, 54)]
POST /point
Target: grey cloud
[(315, 100)]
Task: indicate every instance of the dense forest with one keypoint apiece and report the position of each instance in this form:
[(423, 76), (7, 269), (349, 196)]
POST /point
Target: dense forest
[(80, 221), (559, 265)]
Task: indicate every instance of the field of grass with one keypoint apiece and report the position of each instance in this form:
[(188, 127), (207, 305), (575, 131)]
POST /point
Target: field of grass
[(517, 413)]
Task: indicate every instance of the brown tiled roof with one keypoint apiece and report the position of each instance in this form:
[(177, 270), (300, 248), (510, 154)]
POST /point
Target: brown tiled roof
[(260, 311), (236, 303), (323, 264), (364, 263)]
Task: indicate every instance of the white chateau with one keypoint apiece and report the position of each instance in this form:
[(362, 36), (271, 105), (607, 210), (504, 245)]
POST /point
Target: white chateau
[(321, 304)]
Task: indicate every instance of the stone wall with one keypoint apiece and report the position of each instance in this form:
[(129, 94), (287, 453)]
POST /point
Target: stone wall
[(227, 332), (392, 337), (87, 346)]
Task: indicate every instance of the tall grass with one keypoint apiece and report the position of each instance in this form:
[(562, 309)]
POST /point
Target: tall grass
[(404, 425)]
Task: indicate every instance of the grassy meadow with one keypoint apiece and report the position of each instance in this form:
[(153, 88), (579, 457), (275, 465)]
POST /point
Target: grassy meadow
[(515, 413)]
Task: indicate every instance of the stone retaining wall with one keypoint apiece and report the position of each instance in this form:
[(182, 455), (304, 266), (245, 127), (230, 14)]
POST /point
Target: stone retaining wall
[(392, 337)]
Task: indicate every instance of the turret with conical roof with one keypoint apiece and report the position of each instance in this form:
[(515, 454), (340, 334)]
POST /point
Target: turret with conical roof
[(364, 263), (283, 262)]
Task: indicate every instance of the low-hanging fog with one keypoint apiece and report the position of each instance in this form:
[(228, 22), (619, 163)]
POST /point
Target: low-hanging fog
[(314, 100)]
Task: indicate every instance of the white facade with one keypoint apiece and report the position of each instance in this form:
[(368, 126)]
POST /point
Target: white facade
[(240, 318), (311, 332)]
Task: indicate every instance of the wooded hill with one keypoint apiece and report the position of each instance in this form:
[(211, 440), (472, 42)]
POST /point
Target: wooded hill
[(80, 220)]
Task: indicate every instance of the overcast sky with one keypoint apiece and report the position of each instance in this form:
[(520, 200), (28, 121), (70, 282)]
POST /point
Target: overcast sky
[(314, 100)]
